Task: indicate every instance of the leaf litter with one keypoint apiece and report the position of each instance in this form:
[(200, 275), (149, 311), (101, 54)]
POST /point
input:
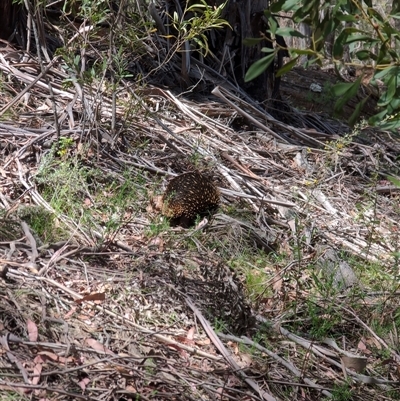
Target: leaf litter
[(133, 316)]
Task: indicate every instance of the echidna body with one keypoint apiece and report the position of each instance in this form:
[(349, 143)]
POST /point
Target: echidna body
[(188, 195)]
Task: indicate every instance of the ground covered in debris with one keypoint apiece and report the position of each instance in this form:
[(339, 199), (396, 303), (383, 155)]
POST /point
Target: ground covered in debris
[(288, 292)]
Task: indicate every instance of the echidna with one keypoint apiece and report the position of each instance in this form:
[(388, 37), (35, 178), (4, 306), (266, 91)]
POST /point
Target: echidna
[(188, 195)]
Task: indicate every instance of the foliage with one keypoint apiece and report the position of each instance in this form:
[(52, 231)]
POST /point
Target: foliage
[(342, 392), (367, 34), (44, 224), (196, 20), (77, 190), (95, 11)]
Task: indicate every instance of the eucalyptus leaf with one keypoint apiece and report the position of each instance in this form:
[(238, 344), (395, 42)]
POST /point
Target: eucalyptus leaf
[(259, 67), (252, 41), (377, 118), (268, 50), (289, 32), (365, 55), (390, 125), (287, 67), (341, 88), (357, 111), (277, 6), (359, 38), (307, 52), (345, 91), (387, 96), (393, 70), (273, 25)]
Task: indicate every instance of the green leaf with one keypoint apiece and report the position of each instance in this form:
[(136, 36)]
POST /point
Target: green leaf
[(387, 96), (346, 18), (383, 57), (365, 55), (312, 61), (273, 25), (345, 91), (287, 67), (389, 30), (393, 53), (307, 52), (395, 103), (391, 125), (393, 70), (357, 111), (394, 180), (267, 13), (268, 49), (395, 6), (252, 41), (284, 5), (307, 6), (377, 118), (290, 5), (338, 46), (259, 67), (373, 13), (359, 38), (329, 26), (289, 32), (276, 7), (196, 7), (341, 88)]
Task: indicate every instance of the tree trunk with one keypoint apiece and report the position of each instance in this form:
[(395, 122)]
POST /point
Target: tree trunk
[(9, 13), (246, 19)]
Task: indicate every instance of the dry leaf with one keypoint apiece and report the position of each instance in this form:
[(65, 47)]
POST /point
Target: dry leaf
[(83, 383), (277, 286), (87, 202), (47, 355), (4, 344), (206, 341), (358, 364), (84, 318), (246, 360), (157, 242), (373, 341), (185, 340), (219, 393), (156, 203), (169, 377), (97, 296), (43, 107), (32, 330), (98, 346), (202, 224), (387, 361), (37, 370), (292, 225), (362, 346), (190, 334), (233, 381), (70, 313)]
